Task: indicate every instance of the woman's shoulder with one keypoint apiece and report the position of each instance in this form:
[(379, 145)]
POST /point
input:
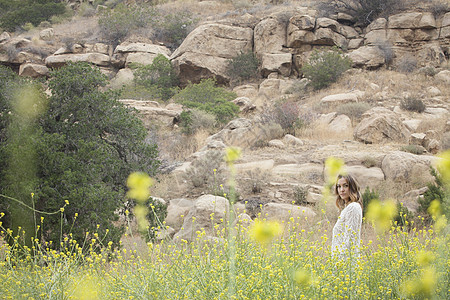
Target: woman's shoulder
[(353, 206)]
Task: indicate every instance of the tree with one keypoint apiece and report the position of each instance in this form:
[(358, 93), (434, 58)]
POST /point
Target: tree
[(89, 143)]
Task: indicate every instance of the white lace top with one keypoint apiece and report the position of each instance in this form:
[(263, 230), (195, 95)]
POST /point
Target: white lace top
[(347, 232)]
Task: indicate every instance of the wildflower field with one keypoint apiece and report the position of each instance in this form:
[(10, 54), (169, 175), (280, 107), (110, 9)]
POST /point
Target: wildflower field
[(259, 260)]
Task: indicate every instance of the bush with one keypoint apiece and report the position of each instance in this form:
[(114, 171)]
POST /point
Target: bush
[(207, 171), (86, 143), (300, 194), (407, 64), (436, 191), (366, 11), (159, 78), (368, 196), (286, 114), (255, 181), (115, 24), (193, 120), (404, 217), (325, 67), (208, 97), (243, 67), (414, 149), (412, 104), (428, 71), (157, 213), (353, 110), (172, 28), (16, 13)]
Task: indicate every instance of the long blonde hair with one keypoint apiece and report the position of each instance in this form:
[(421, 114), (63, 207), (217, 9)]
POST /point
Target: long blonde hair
[(355, 194)]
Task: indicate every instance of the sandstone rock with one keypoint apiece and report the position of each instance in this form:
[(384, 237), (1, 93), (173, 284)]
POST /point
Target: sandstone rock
[(99, 48), (199, 217), (125, 76), (273, 88), (245, 133), (297, 37), (340, 98), (244, 103), (46, 34), (127, 47), (243, 220), (151, 112), (367, 177), (443, 76), (33, 70), (206, 50), (433, 91), (142, 58), (4, 37), (279, 62), (328, 23), (269, 36), (175, 210), (410, 199), (348, 32), (417, 139), (248, 90), (375, 37), (277, 144), (263, 165), (401, 166), (400, 37), (326, 36), (292, 140), (436, 112), (310, 171), (303, 22), (412, 20), (355, 43), (340, 124), (381, 125), (56, 61), (379, 23), (367, 56), (283, 212), (412, 124)]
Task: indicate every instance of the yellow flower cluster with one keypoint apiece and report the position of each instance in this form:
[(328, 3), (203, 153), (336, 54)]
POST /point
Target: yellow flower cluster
[(381, 214)]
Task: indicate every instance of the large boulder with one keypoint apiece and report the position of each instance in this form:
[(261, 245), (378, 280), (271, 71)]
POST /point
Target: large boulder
[(269, 36), (280, 63), (367, 56), (367, 177), (33, 70), (176, 211), (245, 133), (404, 166), (207, 211), (380, 125), (56, 61), (141, 53), (207, 50), (150, 111), (283, 212)]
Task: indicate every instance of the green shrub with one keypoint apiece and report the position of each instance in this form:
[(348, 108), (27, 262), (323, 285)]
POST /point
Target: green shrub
[(414, 149), (208, 97), (436, 191), (404, 217), (193, 120), (353, 110), (157, 213), (428, 71), (243, 67), (14, 14), (159, 78), (325, 67), (412, 103), (368, 196), (172, 28), (115, 24)]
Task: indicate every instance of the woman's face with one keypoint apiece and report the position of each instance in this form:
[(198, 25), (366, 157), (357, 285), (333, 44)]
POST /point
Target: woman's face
[(343, 189)]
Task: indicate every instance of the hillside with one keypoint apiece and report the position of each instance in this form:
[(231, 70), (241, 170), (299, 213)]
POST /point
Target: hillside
[(385, 118)]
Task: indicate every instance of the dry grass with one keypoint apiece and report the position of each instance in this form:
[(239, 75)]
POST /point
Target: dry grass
[(176, 146), (321, 132), (437, 124)]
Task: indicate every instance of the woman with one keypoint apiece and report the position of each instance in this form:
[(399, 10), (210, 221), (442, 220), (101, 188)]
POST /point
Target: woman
[(347, 231)]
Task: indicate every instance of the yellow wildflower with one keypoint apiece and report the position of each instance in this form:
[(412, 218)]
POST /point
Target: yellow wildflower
[(333, 167), (265, 231), (302, 277), (381, 214), (424, 258), (232, 154), (444, 166), (139, 185), (435, 208)]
